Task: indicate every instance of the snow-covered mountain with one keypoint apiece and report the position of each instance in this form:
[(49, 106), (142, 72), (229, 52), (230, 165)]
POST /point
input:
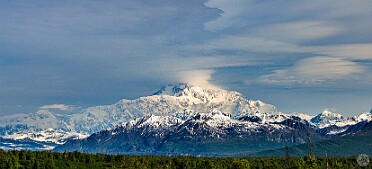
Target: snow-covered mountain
[(41, 120), (44, 140), (49, 135), (179, 100), (175, 103), (213, 133), (331, 124), (182, 101), (327, 118)]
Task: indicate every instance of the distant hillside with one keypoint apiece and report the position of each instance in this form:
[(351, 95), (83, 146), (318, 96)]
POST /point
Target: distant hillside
[(350, 145)]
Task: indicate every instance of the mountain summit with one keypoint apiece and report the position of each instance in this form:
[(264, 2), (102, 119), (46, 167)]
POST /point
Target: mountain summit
[(204, 94)]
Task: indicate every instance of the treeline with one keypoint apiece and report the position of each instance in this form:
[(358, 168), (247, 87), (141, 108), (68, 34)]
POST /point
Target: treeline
[(49, 160)]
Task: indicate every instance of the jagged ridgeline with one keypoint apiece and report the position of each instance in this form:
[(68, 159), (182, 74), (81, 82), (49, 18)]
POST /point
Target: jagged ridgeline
[(178, 119)]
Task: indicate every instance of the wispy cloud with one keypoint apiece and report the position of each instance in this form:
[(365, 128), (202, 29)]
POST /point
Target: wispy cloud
[(246, 43), (230, 14), (356, 51), (247, 13), (298, 31), (315, 71), (57, 106)]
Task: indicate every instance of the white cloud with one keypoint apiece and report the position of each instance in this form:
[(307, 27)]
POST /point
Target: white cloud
[(348, 51), (315, 70), (56, 106), (230, 11), (200, 78), (242, 13), (293, 21), (94, 42), (298, 31), (247, 43)]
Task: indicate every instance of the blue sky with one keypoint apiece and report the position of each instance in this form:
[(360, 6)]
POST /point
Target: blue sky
[(301, 56)]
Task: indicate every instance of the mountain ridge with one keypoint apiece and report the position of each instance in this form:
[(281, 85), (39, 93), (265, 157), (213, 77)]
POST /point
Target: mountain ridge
[(168, 135)]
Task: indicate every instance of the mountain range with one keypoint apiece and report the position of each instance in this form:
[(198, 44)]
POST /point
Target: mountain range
[(179, 119), (353, 144)]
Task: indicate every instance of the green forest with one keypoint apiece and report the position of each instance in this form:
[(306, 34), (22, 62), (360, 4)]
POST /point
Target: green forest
[(49, 160)]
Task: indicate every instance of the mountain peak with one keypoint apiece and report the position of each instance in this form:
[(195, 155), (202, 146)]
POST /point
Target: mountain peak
[(302, 116), (363, 117), (326, 118), (330, 114), (184, 89), (172, 89)]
